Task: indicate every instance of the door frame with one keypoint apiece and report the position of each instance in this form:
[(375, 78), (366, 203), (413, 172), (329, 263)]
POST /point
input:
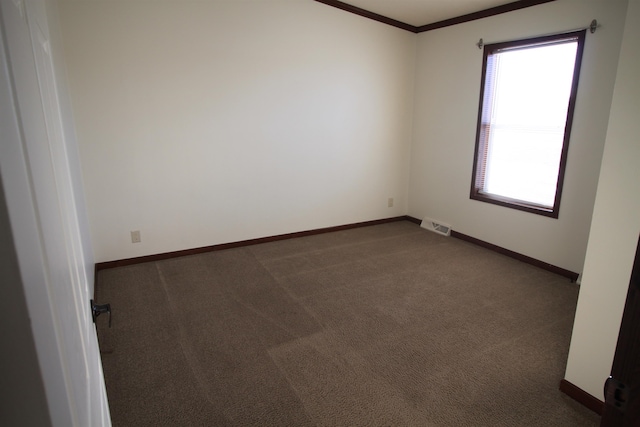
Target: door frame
[(26, 231), (29, 251), (622, 391)]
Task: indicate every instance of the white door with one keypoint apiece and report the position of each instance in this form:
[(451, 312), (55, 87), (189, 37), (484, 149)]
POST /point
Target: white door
[(57, 292)]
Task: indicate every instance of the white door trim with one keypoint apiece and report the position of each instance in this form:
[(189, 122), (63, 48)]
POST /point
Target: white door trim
[(71, 400)]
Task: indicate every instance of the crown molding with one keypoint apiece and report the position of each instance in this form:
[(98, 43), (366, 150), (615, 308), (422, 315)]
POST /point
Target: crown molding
[(509, 7), (367, 14)]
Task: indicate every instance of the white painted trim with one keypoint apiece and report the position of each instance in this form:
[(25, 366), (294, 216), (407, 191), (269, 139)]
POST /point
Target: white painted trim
[(25, 229)]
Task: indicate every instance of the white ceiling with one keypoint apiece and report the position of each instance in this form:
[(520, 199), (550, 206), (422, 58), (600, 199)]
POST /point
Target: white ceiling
[(422, 12)]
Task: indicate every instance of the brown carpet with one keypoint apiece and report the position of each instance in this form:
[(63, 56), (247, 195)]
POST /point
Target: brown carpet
[(388, 325)]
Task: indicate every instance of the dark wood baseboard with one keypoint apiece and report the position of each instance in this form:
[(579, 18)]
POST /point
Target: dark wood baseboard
[(520, 257), (582, 397), (167, 255), (413, 220)]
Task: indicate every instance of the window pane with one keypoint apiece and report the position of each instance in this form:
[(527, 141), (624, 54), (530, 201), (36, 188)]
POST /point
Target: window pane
[(522, 130), (524, 170), (533, 86)]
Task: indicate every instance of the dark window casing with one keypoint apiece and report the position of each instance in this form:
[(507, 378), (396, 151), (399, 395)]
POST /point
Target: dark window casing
[(483, 129)]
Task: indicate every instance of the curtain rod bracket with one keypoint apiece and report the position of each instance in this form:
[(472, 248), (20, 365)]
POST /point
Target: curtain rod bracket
[(593, 26)]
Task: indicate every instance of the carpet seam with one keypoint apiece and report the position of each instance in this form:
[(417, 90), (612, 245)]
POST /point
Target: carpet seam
[(185, 352)]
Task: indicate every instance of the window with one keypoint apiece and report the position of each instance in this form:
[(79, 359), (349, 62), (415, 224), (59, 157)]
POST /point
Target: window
[(526, 106)]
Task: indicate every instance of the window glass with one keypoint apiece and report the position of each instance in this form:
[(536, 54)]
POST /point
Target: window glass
[(527, 100)]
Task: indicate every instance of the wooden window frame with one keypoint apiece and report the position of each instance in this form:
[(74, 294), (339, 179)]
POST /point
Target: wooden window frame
[(482, 130)]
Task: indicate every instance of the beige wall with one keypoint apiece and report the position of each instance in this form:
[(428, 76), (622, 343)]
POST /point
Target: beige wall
[(208, 122), (449, 68), (615, 227)]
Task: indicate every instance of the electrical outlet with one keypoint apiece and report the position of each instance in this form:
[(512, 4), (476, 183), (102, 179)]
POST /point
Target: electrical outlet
[(390, 202), (135, 236)]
